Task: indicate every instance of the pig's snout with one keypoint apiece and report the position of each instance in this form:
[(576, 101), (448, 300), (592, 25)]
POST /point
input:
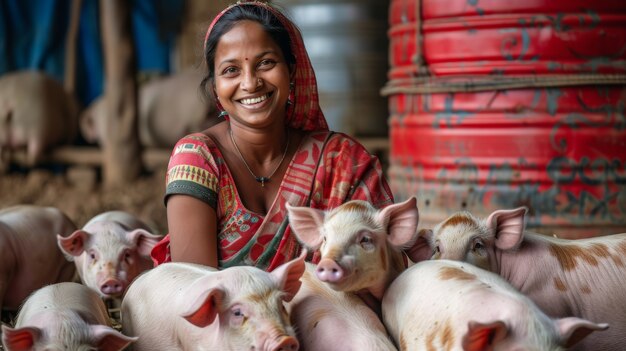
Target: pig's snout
[(287, 343), (112, 287), (329, 271)]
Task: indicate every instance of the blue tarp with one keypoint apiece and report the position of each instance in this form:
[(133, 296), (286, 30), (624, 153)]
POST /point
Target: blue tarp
[(33, 34)]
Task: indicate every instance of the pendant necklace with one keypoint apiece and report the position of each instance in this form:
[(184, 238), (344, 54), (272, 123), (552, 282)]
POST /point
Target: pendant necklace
[(261, 179)]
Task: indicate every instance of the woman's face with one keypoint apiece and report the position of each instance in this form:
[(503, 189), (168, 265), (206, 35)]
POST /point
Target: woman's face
[(251, 76)]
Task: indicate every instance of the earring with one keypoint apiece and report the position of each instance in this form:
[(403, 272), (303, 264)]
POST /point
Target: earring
[(223, 114), (291, 94)]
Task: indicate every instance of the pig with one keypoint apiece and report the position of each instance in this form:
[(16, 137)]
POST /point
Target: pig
[(29, 256), (110, 251), (169, 108), (360, 246), (63, 316), (36, 114), (326, 319), (582, 278), (450, 305), (184, 306)]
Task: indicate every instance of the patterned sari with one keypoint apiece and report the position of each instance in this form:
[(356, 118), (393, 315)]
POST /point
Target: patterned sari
[(327, 170)]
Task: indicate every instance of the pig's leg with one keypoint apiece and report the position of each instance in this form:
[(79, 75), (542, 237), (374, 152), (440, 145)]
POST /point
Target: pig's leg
[(34, 151)]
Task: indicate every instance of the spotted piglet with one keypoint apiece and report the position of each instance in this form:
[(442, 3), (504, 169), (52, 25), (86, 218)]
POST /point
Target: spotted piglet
[(583, 278), (110, 251), (63, 316), (360, 246), (449, 305), (183, 306)]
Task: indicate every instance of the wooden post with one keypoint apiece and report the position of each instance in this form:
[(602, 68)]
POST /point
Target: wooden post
[(120, 145)]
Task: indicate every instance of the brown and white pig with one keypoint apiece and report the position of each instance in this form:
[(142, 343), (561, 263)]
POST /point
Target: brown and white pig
[(183, 306), (360, 246), (63, 316), (36, 113), (110, 251), (169, 108), (326, 319), (449, 305), (29, 256), (583, 278)]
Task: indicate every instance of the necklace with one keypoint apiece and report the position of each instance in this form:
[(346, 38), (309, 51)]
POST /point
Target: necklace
[(261, 179)]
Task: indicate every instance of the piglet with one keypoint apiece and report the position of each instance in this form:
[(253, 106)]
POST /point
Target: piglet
[(360, 246), (36, 113), (29, 256), (583, 278), (63, 316), (449, 305), (327, 319), (110, 251), (183, 306)]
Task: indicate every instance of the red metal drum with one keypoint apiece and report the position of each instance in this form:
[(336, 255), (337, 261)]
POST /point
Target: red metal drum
[(495, 37), (559, 151)]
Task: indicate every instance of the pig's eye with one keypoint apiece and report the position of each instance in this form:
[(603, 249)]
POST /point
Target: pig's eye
[(92, 255), (437, 250), (238, 317), (478, 247), (127, 256)]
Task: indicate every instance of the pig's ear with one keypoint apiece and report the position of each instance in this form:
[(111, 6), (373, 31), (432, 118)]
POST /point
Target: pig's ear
[(20, 339), (306, 224), (73, 245), (574, 329), (288, 276), (144, 240), (401, 222), (109, 339), (202, 310), (508, 226), (421, 250), (483, 336)]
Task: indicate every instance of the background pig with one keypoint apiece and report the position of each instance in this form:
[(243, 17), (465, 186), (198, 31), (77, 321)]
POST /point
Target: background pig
[(29, 256), (181, 306), (360, 246), (110, 251), (63, 316), (326, 319), (583, 278), (169, 108), (36, 113), (448, 305)]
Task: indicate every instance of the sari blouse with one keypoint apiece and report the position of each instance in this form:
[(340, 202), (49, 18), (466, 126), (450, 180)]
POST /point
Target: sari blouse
[(327, 170)]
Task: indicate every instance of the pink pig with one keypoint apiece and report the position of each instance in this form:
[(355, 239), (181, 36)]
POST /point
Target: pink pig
[(29, 256), (183, 306), (63, 316), (326, 319), (360, 246), (448, 305), (110, 251), (583, 278)]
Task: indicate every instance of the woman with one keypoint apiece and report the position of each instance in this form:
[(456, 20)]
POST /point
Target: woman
[(227, 186)]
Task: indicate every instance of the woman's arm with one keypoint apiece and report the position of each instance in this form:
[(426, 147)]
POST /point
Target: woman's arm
[(192, 226)]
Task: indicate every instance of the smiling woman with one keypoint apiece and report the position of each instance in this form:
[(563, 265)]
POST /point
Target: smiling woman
[(226, 187)]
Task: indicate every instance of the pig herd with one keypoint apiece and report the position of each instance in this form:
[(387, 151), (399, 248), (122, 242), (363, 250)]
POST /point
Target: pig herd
[(381, 284)]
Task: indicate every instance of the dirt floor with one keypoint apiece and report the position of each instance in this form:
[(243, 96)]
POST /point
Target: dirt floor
[(78, 193)]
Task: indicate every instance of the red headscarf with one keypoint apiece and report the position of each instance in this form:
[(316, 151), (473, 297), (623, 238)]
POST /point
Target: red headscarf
[(304, 113)]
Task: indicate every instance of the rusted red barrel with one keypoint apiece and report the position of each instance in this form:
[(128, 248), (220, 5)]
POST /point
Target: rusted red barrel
[(495, 37), (559, 151)]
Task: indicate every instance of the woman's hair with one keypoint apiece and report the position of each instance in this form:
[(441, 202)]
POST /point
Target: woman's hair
[(259, 14)]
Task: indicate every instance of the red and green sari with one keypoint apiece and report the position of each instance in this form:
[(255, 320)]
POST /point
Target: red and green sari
[(327, 170)]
